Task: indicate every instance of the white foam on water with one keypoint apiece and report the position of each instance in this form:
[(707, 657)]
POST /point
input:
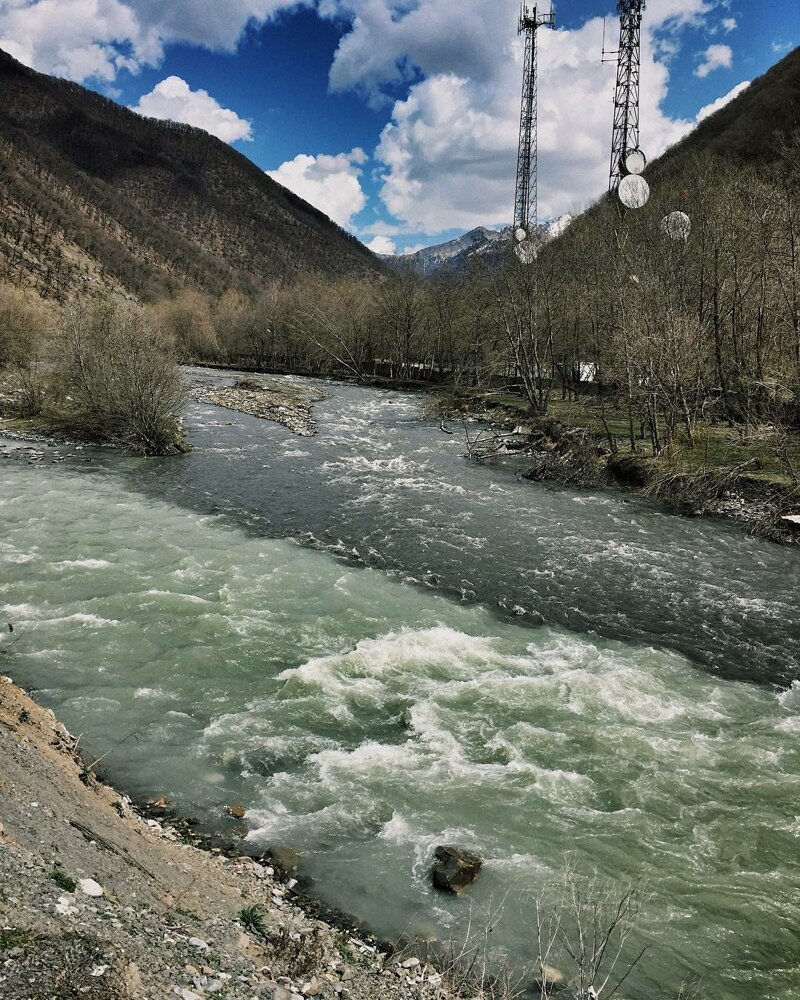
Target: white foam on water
[(87, 620), (151, 694), (188, 598), (19, 558), (24, 612), (83, 564)]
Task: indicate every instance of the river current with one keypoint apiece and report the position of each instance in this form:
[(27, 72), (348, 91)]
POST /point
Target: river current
[(379, 647)]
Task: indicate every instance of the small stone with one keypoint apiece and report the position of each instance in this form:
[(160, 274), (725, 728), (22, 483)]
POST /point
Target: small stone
[(132, 979), (65, 906), (89, 887), (199, 944), (281, 993), (410, 963), (190, 970), (98, 970), (236, 809), (161, 802), (185, 994)]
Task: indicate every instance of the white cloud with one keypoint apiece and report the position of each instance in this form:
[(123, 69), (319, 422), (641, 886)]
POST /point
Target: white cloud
[(709, 109), (174, 100), (715, 57), (449, 151), (95, 39), (729, 24), (382, 244), (330, 183)]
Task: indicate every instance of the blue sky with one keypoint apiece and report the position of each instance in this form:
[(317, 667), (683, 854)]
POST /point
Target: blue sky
[(399, 117)]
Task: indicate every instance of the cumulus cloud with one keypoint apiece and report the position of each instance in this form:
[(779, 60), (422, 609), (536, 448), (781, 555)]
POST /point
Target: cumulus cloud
[(715, 57), (95, 39), (709, 109), (330, 183), (174, 100), (729, 24), (382, 244), (449, 150)]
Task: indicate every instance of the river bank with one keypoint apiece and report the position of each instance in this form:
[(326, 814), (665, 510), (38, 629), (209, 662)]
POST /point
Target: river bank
[(96, 900), (574, 447), (584, 446)]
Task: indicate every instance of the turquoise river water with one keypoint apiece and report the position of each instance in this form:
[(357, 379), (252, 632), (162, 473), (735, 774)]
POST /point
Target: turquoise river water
[(378, 647)]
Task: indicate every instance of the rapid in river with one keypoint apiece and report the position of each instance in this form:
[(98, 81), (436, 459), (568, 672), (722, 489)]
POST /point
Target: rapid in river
[(379, 647)]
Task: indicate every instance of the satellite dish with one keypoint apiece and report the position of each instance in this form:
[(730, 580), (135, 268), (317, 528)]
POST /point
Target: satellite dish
[(676, 225), (633, 191), (634, 162), (520, 235), (526, 252)]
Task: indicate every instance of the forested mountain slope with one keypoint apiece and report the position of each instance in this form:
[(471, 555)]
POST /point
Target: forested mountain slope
[(745, 130), (93, 195)]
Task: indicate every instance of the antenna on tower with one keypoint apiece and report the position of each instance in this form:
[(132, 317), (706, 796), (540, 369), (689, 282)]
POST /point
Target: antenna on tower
[(627, 159), (526, 204)]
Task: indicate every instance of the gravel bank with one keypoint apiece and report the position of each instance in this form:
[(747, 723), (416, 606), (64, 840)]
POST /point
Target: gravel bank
[(285, 403)]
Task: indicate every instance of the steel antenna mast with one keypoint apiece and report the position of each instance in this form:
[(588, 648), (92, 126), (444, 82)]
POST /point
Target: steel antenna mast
[(625, 137), (526, 205)]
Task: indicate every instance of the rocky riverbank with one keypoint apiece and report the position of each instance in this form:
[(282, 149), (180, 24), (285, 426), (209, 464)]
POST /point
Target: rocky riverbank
[(285, 403), (98, 901), (556, 452)]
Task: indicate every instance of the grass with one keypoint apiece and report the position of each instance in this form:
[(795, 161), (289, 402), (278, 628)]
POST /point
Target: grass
[(717, 446), (252, 917), (62, 880), (15, 938)]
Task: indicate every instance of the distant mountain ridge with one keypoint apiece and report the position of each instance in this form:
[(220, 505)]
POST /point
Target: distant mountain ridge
[(93, 195), (492, 246)]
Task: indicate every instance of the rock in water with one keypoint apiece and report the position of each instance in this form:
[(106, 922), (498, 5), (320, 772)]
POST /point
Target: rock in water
[(283, 857), (455, 868)]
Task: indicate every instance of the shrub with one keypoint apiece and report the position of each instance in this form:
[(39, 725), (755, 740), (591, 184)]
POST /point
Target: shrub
[(122, 381)]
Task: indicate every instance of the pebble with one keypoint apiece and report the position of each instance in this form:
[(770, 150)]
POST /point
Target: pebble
[(89, 887), (199, 943)]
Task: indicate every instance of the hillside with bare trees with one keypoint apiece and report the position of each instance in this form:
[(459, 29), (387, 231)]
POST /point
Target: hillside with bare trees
[(94, 197)]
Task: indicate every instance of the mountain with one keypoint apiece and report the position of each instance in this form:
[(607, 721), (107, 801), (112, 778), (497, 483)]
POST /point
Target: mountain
[(746, 128), (93, 195), (490, 246)]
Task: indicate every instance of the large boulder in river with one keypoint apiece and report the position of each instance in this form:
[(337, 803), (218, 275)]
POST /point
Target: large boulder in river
[(454, 868)]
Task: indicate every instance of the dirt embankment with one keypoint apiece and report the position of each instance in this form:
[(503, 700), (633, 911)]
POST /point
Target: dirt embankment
[(98, 902)]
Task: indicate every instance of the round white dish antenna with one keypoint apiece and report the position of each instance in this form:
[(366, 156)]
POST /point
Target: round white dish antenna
[(520, 235), (526, 252), (634, 162), (633, 191), (676, 225)]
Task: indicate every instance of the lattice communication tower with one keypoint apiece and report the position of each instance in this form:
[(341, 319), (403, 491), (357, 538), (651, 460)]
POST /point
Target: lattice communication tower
[(526, 207), (625, 137)]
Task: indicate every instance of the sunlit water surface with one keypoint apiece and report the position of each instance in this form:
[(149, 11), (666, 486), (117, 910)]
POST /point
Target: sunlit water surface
[(378, 647)]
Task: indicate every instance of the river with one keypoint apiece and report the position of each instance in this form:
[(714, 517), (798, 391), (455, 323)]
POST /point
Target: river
[(378, 647)]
